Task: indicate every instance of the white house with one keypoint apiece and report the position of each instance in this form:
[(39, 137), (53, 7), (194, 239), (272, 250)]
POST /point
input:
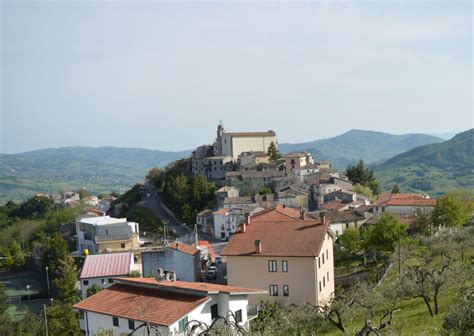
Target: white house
[(171, 307), (339, 221), (404, 204), (226, 220), (106, 234), (100, 269)]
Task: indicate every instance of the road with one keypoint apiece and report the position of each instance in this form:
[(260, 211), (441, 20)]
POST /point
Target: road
[(151, 200)]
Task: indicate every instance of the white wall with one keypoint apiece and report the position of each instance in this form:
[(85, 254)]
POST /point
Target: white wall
[(323, 269), (408, 210), (201, 313)]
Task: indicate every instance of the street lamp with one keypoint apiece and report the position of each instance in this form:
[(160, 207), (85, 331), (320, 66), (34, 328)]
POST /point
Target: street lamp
[(47, 278), (28, 291)]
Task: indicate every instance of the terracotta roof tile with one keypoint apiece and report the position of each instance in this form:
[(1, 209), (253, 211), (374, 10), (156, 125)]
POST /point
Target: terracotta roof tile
[(281, 233), (142, 304), (222, 211), (412, 202), (182, 247), (100, 265)]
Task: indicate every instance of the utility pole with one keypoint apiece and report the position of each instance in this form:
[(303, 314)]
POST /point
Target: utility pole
[(399, 259), (45, 320), (47, 279), (196, 238)]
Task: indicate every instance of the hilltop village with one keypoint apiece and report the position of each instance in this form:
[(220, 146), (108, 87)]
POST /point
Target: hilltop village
[(277, 229)]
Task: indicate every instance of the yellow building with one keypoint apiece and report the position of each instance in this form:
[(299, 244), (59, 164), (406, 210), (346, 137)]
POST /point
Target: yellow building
[(281, 251)]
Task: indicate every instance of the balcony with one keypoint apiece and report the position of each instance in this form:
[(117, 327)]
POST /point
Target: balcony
[(252, 311)]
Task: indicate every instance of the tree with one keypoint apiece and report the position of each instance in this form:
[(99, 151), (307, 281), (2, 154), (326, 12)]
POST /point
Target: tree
[(17, 254), (460, 320), (65, 281), (349, 240), (426, 281), (265, 191), (359, 174), (83, 193), (134, 274), (384, 235), (451, 211), (273, 153), (396, 189), (155, 175), (94, 289), (55, 251), (363, 190), (3, 299), (62, 320), (33, 208)]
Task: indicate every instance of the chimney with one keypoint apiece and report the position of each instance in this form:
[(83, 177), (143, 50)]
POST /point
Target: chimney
[(323, 217), (302, 213), (244, 227), (177, 246), (247, 218), (258, 246), (167, 276), (160, 274), (172, 275)]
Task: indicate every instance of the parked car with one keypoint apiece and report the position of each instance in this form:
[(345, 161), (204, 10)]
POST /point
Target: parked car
[(212, 266), (219, 260), (211, 274)]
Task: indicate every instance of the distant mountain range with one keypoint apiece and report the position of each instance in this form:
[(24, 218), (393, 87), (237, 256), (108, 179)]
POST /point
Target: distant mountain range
[(100, 170), (106, 169), (434, 168), (353, 145)]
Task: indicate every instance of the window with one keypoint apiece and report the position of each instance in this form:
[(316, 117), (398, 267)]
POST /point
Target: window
[(111, 280), (214, 311), (131, 324), (182, 324), (319, 285), (319, 262), (85, 282), (327, 254), (286, 290), (273, 290), (324, 282), (328, 276), (238, 315), (122, 245), (272, 265), (284, 265), (106, 231), (115, 321), (323, 258)]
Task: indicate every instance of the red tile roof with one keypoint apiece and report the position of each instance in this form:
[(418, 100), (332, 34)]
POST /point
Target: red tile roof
[(101, 265), (385, 197), (182, 247), (201, 287), (412, 202), (335, 205), (222, 211), (281, 233), (142, 304)]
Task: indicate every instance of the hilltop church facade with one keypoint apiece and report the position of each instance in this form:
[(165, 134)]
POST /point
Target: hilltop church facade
[(211, 160)]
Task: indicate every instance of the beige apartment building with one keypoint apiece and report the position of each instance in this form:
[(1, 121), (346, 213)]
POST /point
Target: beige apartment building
[(281, 251), (295, 161)]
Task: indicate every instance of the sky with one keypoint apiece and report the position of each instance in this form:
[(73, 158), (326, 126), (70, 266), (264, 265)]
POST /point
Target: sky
[(161, 75)]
